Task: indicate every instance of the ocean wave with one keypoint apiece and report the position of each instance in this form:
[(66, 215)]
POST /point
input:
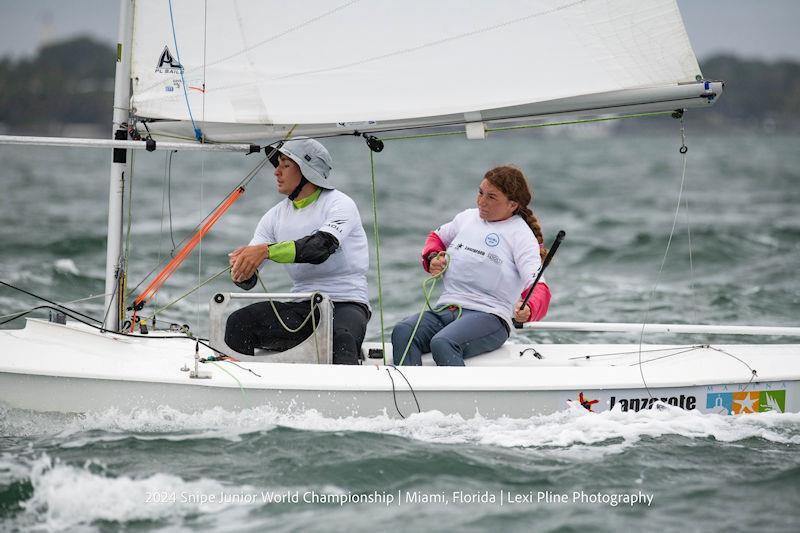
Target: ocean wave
[(612, 430), (63, 496), (54, 495)]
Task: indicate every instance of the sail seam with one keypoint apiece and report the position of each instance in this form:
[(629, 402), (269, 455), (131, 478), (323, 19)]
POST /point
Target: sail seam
[(438, 42)]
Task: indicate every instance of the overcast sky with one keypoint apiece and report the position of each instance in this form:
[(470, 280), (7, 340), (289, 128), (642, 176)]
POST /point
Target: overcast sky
[(765, 29)]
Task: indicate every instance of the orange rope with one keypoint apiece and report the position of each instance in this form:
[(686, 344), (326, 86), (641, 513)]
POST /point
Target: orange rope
[(186, 250)]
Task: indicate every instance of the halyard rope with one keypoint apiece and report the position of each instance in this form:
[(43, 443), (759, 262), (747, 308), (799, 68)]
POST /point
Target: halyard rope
[(683, 151)]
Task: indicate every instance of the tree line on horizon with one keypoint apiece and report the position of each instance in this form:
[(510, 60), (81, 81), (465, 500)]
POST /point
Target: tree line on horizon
[(72, 82)]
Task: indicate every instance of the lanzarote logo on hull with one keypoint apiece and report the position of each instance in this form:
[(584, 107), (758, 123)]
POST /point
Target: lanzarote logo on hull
[(168, 64), (683, 401)]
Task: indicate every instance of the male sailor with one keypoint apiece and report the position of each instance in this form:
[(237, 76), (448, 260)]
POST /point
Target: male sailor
[(316, 233)]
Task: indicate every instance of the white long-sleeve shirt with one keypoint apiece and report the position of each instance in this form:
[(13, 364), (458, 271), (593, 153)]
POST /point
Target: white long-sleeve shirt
[(490, 262)]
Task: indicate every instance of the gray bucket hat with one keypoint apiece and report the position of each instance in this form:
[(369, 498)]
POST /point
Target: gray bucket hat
[(312, 158)]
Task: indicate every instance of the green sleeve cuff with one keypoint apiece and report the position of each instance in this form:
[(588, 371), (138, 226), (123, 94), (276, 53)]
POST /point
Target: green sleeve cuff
[(282, 252)]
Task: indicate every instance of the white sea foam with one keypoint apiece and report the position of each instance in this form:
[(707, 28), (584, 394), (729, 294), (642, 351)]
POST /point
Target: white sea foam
[(69, 497), (66, 266), (65, 496), (211, 423), (11, 470), (572, 428)]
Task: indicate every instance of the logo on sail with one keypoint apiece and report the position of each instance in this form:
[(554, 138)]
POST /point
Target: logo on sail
[(168, 64), (739, 403)]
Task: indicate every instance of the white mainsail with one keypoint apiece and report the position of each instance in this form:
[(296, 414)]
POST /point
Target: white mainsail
[(256, 68)]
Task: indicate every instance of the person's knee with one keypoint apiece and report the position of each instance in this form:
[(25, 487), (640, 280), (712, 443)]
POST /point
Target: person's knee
[(401, 333), (445, 352), (237, 333), (345, 348)]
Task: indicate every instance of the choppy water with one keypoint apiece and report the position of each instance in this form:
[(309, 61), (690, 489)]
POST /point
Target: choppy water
[(614, 196)]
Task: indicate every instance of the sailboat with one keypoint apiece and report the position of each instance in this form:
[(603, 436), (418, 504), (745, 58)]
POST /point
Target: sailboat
[(239, 75)]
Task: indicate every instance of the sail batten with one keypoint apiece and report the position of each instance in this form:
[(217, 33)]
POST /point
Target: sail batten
[(267, 65)]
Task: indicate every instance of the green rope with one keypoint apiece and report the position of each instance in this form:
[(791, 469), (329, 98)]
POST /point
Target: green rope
[(422, 135), (584, 121), (377, 253), (287, 328), (278, 316), (530, 126), (231, 375), (427, 291)]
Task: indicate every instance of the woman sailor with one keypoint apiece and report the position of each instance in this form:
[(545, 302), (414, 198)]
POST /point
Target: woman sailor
[(316, 233), (488, 254)]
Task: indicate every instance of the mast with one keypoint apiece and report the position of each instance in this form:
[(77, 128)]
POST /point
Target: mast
[(122, 93)]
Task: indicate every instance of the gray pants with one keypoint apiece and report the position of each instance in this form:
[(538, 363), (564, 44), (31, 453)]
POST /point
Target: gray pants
[(450, 341)]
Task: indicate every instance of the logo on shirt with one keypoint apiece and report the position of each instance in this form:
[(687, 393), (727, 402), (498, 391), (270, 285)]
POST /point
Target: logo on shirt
[(336, 224), (470, 249), (474, 250), (493, 239), (494, 258)]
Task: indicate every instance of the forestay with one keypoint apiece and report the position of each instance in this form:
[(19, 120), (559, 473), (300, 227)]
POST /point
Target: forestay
[(255, 68)]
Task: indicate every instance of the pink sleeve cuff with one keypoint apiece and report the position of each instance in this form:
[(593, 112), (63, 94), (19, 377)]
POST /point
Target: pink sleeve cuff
[(432, 244), (539, 301)]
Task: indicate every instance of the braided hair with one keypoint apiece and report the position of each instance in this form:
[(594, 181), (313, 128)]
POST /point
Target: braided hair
[(512, 182)]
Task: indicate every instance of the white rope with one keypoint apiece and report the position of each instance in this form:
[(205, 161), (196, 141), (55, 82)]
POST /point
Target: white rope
[(683, 151), (689, 231)]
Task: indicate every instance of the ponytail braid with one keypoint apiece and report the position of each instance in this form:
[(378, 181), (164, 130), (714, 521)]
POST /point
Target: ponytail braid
[(533, 223)]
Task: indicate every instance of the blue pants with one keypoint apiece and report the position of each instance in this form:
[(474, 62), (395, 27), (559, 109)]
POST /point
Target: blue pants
[(450, 341)]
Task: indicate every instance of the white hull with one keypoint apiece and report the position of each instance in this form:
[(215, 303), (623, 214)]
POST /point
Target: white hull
[(72, 368)]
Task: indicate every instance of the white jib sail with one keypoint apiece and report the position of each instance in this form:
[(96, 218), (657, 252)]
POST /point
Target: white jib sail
[(352, 64)]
